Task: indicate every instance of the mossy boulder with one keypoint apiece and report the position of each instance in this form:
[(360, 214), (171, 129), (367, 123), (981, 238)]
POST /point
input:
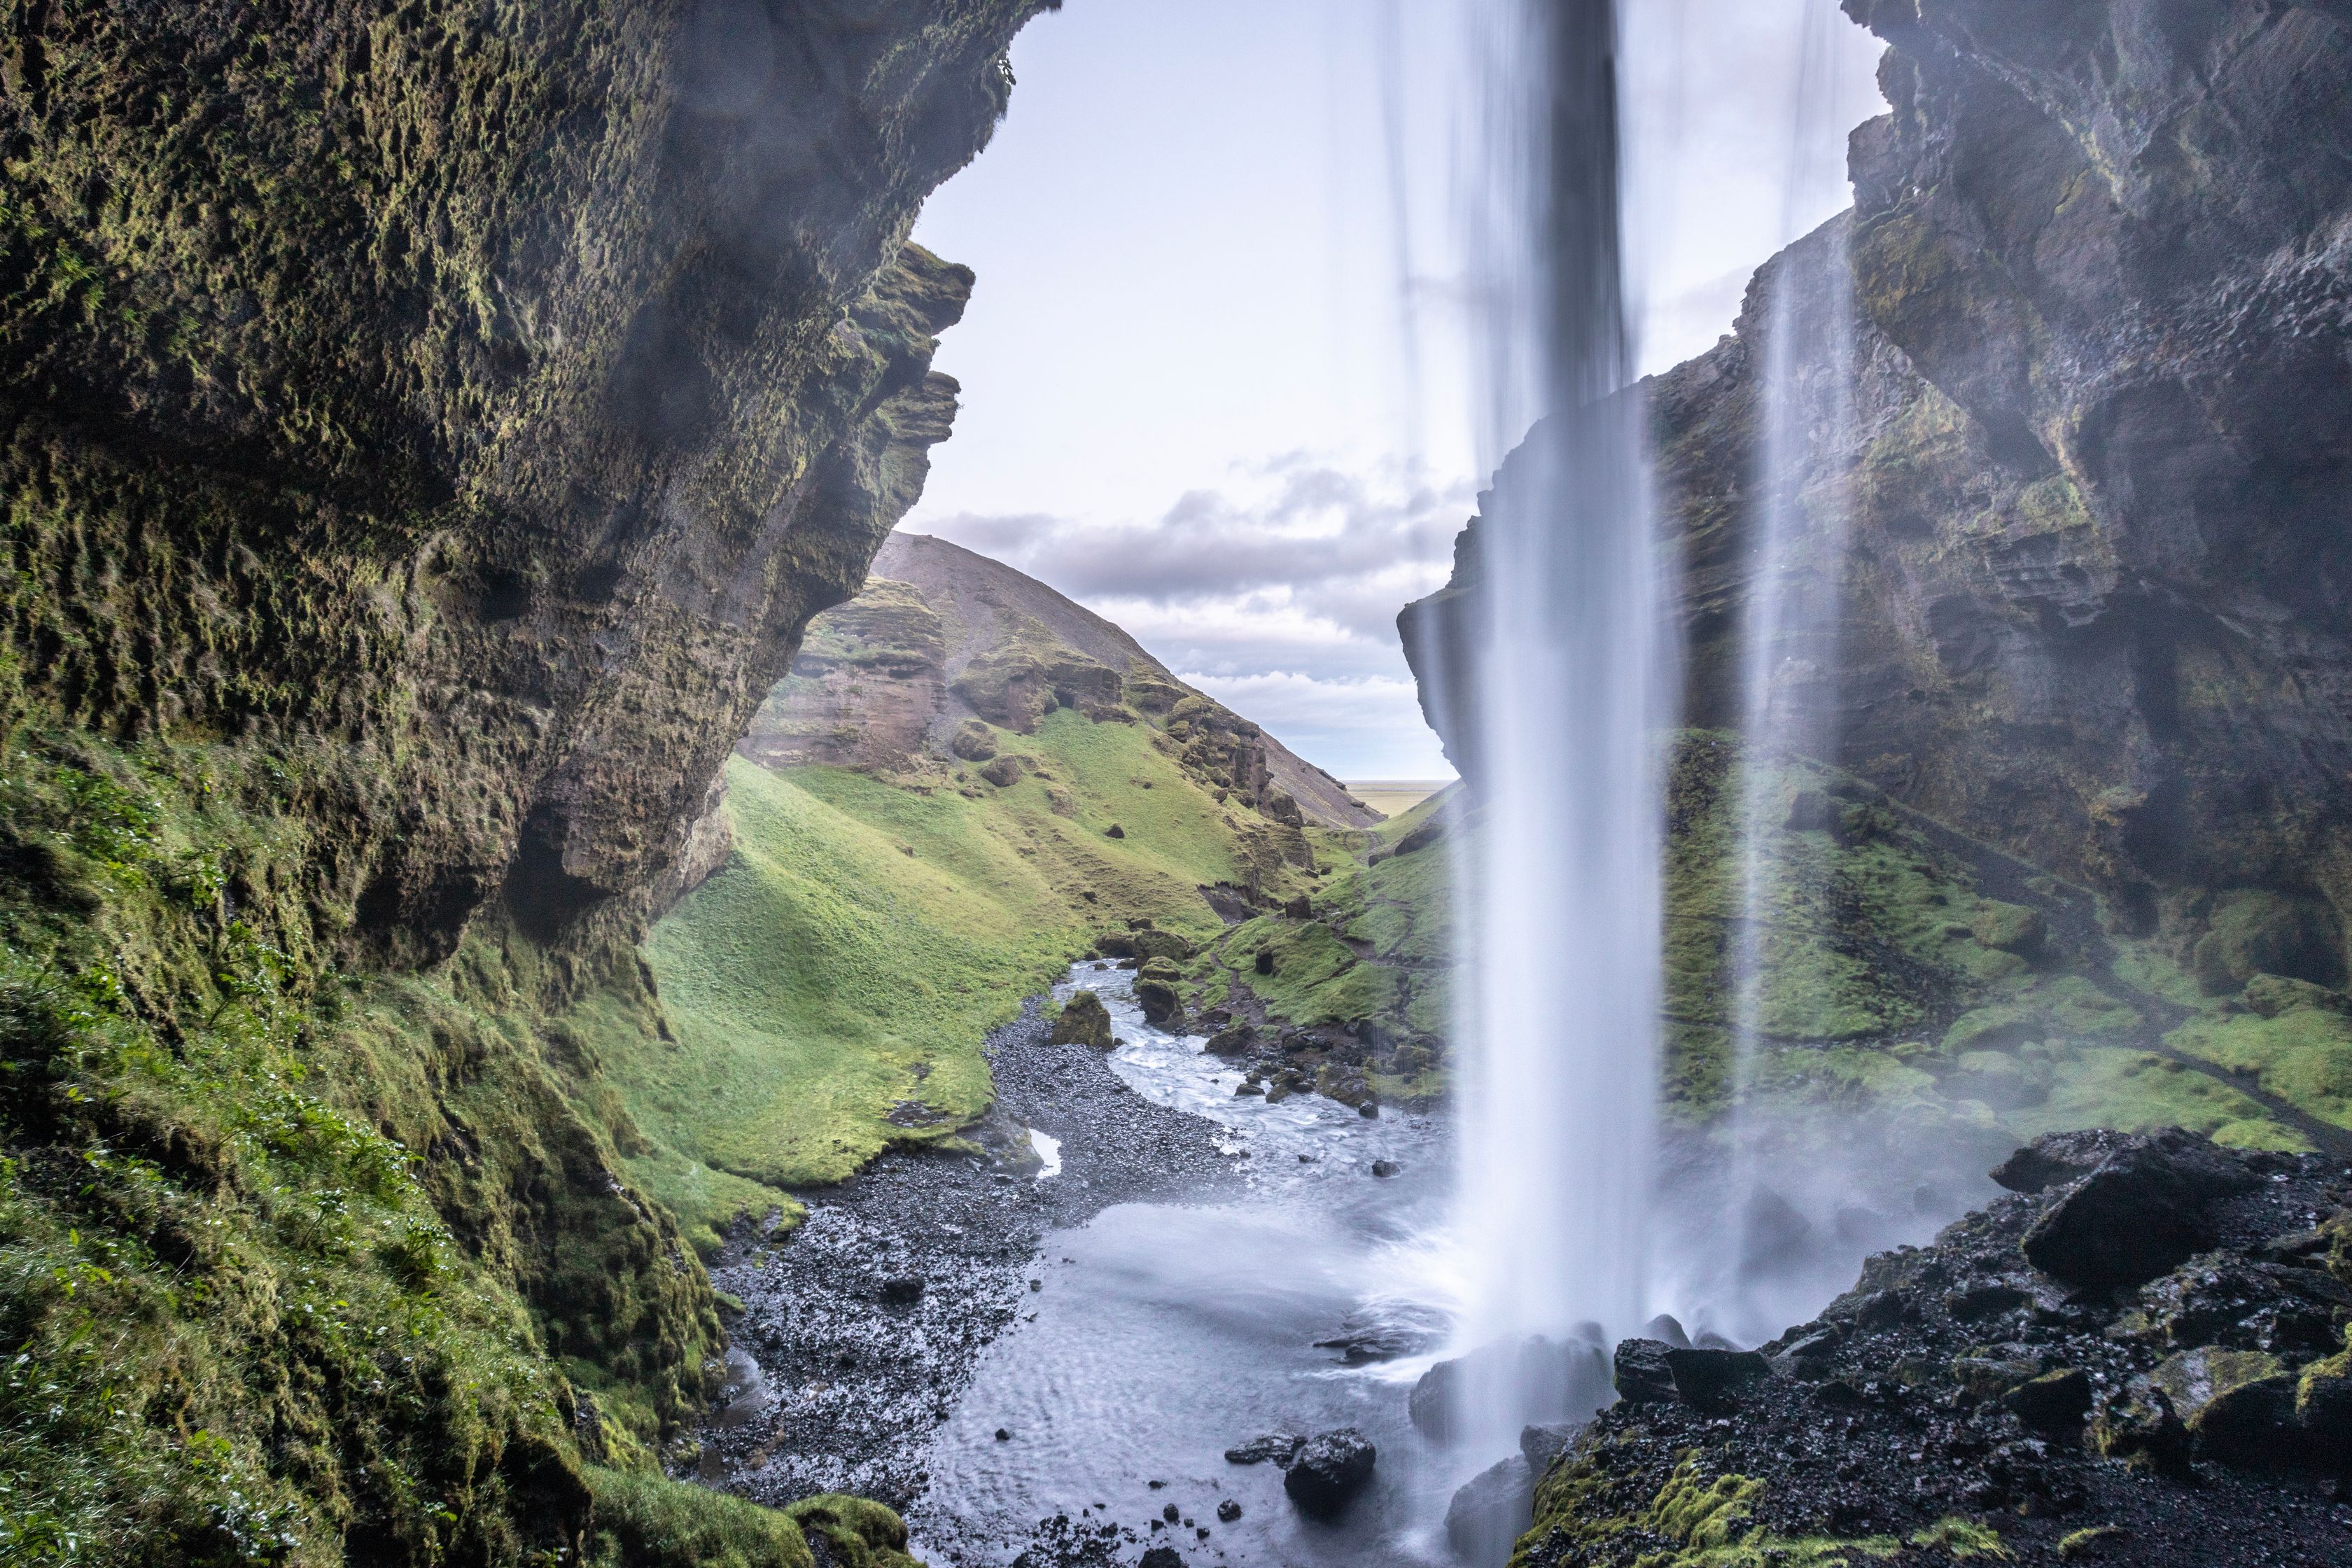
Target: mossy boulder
[(1156, 988), (975, 741), (1084, 1021), (2009, 928)]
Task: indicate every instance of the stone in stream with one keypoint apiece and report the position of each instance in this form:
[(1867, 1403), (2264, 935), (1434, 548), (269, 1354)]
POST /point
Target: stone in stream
[(1084, 1021), (1162, 1557), (1328, 1470), (1155, 988), (1228, 1511), (1276, 1447)]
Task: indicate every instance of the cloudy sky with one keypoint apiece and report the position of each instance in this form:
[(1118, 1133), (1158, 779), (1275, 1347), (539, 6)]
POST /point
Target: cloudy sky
[(1217, 374)]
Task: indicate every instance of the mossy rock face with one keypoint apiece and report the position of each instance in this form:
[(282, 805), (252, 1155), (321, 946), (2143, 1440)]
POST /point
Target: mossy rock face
[(2251, 932), (392, 560)]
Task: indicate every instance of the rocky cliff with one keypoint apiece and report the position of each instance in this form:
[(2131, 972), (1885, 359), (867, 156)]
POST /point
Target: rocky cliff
[(2093, 601), (945, 638), (427, 431)]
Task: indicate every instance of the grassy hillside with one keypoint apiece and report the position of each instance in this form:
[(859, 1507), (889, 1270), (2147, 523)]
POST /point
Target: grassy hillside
[(828, 990), (1911, 976)]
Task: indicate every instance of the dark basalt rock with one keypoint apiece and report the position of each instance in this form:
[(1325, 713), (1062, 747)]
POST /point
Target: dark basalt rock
[(1275, 1448), (1549, 1380), (1955, 1383), (1162, 1557), (1709, 1379), (1642, 1373), (1328, 1470), (2142, 1212)]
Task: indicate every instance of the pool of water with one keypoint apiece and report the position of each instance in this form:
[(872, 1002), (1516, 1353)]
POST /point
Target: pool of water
[(1165, 1333)]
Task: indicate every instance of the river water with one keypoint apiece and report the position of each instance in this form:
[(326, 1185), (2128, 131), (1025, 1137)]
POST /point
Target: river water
[(1165, 1332)]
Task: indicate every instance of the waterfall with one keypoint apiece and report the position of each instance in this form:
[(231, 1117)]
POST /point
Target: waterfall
[(1569, 699), (1789, 642)]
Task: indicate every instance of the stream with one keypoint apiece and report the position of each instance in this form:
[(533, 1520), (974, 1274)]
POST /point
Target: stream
[(1168, 1331), (1038, 1350)]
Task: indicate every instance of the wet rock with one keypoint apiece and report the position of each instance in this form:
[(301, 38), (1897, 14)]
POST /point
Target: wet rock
[(1328, 1470), (1386, 1168), (1984, 1377), (2055, 1402), (1541, 1444), (1810, 811), (1155, 990), (1989, 1300), (1275, 1448), (2009, 928), (1084, 1021), (1162, 1557), (1708, 1379), (1490, 1511), (1641, 1373), (1808, 1355), (1238, 1041), (2237, 1302), (903, 1291), (2238, 1406), (2054, 1159), (1774, 1236), (1228, 1511), (2142, 1213)]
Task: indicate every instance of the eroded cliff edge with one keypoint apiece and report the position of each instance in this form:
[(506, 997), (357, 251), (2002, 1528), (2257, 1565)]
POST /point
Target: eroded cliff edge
[(429, 430), (2094, 609)]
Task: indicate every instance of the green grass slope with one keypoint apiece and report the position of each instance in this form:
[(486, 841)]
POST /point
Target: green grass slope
[(828, 990), (1910, 977)]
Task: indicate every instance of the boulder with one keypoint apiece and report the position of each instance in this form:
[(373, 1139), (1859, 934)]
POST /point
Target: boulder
[(2055, 1402), (1084, 1021), (1541, 1444), (2054, 1159), (2236, 1301), (1708, 1380), (1547, 1379), (1641, 1373), (2142, 1213), (1490, 1512), (2238, 1406), (2009, 928), (1328, 1470), (1236, 1041), (1162, 1557), (1003, 772), (1155, 989), (974, 743)]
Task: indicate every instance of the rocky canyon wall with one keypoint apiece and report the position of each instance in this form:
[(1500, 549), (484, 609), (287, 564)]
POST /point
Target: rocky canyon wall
[(2099, 466), (469, 404)]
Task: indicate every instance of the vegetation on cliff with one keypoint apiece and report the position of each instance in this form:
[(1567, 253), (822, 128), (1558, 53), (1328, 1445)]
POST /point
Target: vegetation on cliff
[(392, 558)]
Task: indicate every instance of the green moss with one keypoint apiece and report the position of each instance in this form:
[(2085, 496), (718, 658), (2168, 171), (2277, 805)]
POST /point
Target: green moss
[(2304, 1055)]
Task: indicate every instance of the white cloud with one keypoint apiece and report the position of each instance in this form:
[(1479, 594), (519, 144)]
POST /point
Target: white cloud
[(1289, 573)]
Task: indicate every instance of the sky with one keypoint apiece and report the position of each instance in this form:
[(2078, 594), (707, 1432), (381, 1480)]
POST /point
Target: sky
[(1219, 371)]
